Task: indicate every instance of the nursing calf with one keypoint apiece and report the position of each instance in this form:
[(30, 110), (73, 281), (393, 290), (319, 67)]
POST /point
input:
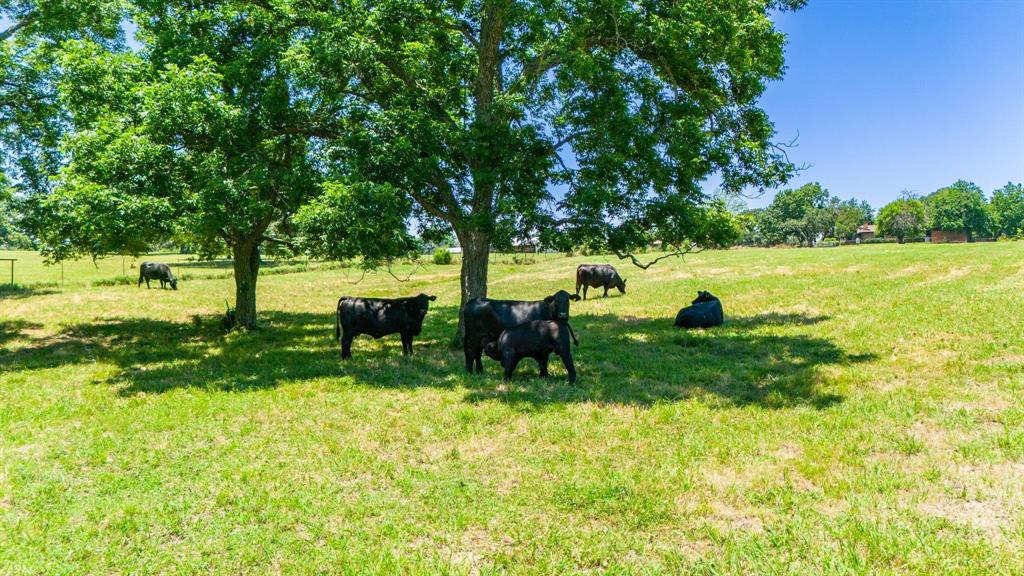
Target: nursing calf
[(485, 319), (537, 340), (379, 317)]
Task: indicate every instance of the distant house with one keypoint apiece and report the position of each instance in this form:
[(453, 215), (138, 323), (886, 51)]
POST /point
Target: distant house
[(949, 236), (526, 246), (865, 232)]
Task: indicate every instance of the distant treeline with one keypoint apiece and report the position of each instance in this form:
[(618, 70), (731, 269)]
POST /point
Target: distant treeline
[(809, 214)]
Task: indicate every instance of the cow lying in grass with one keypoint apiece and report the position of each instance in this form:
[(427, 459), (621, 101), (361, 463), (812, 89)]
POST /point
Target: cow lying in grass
[(598, 276), (485, 319), (537, 340), (379, 317), (157, 271), (705, 312)]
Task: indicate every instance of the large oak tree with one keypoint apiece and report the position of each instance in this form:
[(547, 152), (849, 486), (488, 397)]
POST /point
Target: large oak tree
[(585, 123), (201, 135)]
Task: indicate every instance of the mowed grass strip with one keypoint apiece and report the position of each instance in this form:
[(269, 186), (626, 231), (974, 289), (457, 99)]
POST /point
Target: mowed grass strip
[(859, 412)]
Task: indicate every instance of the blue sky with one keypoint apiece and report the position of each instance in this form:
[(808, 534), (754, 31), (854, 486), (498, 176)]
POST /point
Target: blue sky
[(894, 95)]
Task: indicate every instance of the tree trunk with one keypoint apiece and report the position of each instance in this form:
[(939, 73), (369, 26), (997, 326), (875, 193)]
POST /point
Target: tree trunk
[(247, 268), (476, 251)]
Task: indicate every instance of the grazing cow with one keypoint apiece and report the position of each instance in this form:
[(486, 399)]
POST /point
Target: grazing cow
[(379, 317), (485, 320), (157, 271), (537, 340), (598, 276), (705, 312)]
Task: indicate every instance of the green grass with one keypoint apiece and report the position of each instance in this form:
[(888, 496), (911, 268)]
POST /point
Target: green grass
[(33, 275), (859, 413)]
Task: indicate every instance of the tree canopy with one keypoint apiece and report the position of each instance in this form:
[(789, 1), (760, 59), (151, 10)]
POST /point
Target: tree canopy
[(31, 115), (1007, 207), (475, 110), (202, 135), (959, 207), (903, 218), (338, 128)]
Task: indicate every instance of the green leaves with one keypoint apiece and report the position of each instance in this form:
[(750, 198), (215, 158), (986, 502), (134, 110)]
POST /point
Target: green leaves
[(1007, 207), (477, 110), (355, 221), (903, 218), (960, 207)]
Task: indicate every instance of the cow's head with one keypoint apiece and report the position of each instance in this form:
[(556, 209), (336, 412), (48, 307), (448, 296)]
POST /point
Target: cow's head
[(174, 283), (703, 296), (420, 304), (559, 303), (621, 285)]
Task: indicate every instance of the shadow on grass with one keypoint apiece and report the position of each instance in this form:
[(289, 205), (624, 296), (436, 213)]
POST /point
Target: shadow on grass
[(17, 291), (620, 360), (12, 330), (642, 361)]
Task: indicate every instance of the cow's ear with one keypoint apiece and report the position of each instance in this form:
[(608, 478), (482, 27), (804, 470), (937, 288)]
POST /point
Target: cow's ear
[(431, 298), (575, 297)]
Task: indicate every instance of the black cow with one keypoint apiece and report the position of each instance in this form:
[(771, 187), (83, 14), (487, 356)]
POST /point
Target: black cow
[(379, 317), (598, 276), (705, 312), (537, 340), (157, 271), (485, 320)]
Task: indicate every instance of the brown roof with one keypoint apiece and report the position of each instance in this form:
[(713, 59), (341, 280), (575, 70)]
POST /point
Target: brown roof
[(866, 228)]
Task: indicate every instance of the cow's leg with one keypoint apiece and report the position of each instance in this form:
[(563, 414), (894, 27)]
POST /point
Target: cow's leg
[(407, 344), (478, 359), (605, 291), (577, 286), (346, 345), (567, 362), (509, 360), (147, 282), (585, 287), (542, 362), (467, 349)]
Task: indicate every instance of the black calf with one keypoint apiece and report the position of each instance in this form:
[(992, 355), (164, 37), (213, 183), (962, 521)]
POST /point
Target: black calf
[(537, 340)]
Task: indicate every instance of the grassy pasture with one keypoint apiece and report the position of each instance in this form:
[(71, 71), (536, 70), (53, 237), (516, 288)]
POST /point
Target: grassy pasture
[(859, 413)]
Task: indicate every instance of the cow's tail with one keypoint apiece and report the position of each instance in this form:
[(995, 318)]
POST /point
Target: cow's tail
[(573, 334), (337, 319)]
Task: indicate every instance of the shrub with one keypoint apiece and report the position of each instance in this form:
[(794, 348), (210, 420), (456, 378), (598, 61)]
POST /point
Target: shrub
[(442, 256), (116, 281)]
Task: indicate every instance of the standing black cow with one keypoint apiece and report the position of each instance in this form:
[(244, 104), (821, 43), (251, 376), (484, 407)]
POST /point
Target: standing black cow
[(537, 340), (379, 317), (486, 319), (157, 271), (705, 312), (598, 276)]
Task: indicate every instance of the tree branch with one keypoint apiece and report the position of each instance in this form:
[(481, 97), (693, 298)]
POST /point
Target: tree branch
[(459, 26), (569, 138), (20, 24), (676, 252), (402, 74)]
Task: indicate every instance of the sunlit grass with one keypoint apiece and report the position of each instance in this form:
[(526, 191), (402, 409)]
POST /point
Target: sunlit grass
[(859, 412)]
